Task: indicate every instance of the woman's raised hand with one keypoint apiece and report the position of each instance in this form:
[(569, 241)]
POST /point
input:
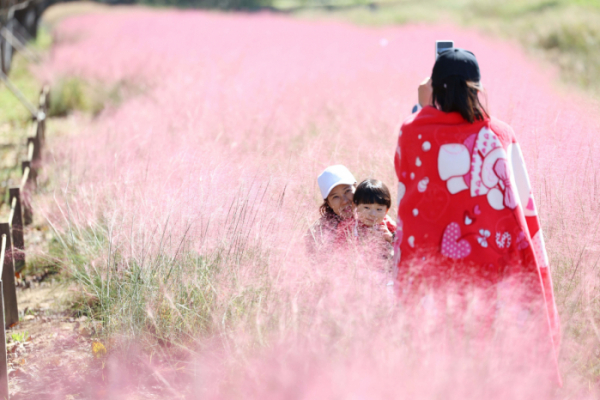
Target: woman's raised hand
[(425, 92)]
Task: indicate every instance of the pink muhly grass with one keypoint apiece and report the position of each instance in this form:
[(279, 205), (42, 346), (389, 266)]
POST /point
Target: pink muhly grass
[(183, 211)]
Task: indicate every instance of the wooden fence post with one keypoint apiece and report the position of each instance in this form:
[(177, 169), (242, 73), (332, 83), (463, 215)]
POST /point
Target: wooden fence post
[(3, 360), (18, 241), (31, 176), (45, 98), (43, 107), (11, 310), (29, 180), (36, 147), (41, 131)]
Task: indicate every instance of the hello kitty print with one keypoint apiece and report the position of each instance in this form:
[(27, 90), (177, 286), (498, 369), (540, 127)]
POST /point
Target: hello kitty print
[(480, 165)]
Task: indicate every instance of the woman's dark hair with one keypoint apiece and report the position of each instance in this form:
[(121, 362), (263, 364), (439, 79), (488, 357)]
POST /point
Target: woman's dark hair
[(325, 209), (372, 191), (455, 94)]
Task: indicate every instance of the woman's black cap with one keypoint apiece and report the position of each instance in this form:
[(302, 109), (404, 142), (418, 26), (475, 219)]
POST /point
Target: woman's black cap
[(457, 62)]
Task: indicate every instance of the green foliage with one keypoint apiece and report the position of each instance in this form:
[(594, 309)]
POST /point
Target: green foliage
[(571, 37), (212, 4), (68, 95), (19, 336), (43, 41), (76, 94), (40, 265), (11, 110), (170, 296)]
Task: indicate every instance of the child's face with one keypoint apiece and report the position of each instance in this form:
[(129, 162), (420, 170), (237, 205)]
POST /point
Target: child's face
[(371, 214)]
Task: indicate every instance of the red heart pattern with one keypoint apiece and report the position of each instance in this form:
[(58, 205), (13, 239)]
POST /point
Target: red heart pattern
[(451, 246)]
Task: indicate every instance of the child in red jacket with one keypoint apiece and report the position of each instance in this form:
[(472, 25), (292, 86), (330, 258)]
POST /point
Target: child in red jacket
[(372, 227)]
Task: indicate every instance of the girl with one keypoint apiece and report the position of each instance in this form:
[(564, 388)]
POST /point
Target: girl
[(372, 226)]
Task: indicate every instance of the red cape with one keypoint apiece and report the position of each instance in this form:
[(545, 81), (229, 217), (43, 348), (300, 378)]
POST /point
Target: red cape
[(465, 198)]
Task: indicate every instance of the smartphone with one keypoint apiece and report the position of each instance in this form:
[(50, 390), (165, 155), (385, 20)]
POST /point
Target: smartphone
[(441, 45)]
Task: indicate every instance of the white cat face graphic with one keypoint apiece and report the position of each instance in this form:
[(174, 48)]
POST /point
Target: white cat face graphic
[(480, 165)]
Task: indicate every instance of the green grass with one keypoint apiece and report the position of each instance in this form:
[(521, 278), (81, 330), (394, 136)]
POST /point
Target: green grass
[(11, 110), (19, 336), (43, 41), (171, 297), (71, 94)]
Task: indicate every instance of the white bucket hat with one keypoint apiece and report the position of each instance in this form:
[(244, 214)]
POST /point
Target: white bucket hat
[(334, 176)]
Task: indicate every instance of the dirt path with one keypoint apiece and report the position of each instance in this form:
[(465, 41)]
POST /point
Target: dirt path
[(49, 341)]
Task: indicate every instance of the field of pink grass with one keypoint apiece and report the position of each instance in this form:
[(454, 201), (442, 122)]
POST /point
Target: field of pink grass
[(183, 211)]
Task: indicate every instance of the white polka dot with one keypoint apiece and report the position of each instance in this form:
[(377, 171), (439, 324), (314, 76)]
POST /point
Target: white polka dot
[(415, 212), (412, 175), (426, 146), (422, 186), (418, 162), (401, 192)]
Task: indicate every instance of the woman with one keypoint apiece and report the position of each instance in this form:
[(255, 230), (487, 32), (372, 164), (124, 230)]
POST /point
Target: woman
[(337, 185), (466, 213)]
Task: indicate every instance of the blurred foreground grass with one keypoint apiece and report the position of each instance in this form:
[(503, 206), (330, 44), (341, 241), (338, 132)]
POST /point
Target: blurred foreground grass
[(564, 32)]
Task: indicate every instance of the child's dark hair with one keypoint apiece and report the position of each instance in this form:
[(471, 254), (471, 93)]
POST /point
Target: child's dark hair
[(372, 191)]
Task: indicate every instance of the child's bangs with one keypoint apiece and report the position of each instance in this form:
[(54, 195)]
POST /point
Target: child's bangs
[(372, 191)]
